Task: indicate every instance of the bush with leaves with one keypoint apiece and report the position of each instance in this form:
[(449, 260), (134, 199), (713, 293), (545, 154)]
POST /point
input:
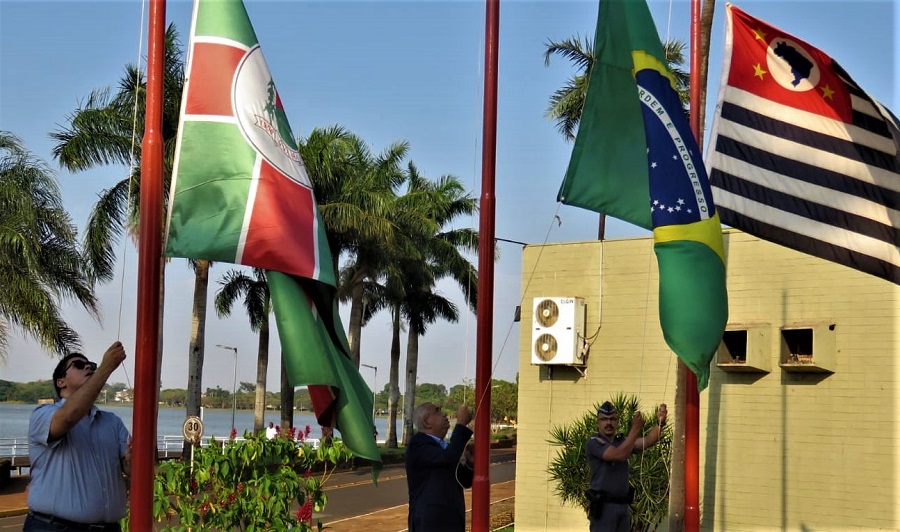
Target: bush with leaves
[(250, 484), (648, 470)]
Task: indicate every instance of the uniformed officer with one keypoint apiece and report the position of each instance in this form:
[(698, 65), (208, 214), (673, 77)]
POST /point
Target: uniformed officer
[(608, 453)]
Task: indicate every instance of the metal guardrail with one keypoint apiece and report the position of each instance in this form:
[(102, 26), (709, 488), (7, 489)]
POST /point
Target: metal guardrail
[(16, 449), (168, 446)]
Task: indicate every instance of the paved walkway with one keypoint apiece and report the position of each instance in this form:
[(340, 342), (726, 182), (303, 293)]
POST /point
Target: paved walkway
[(394, 519), (13, 496)]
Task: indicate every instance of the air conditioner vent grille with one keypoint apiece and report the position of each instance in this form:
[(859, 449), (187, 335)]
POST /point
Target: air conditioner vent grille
[(546, 347), (547, 313)]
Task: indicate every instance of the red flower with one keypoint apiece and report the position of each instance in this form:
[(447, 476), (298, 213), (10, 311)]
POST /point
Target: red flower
[(231, 498), (204, 508), (240, 487), (293, 432), (308, 473), (304, 514), (277, 428), (233, 433), (307, 430)]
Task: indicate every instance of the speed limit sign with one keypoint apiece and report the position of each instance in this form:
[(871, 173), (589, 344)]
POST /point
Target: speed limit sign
[(192, 429)]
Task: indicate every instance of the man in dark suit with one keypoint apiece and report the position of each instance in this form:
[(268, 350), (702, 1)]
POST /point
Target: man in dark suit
[(438, 471)]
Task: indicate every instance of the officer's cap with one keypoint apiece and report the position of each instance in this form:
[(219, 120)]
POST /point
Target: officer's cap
[(607, 409)]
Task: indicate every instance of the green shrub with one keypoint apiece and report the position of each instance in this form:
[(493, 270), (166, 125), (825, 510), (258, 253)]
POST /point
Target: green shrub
[(648, 470), (247, 485)]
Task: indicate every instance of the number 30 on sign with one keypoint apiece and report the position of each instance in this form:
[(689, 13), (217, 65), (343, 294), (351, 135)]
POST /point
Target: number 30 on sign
[(192, 429)]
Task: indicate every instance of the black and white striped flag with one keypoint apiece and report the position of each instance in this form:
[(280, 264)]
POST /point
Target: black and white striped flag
[(799, 155)]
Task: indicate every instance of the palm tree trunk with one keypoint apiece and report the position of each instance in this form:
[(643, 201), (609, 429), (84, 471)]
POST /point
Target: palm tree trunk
[(676, 469), (394, 383), (197, 339), (412, 371), (706, 20), (356, 313), (262, 370), (287, 398)]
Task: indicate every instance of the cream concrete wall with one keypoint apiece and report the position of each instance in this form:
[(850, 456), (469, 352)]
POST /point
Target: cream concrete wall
[(628, 355), (779, 450)]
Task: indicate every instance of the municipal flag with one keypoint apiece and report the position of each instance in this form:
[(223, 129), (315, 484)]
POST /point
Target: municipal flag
[(317, 352), (635, 158), (800, 155), (238, 177), (240, 194)]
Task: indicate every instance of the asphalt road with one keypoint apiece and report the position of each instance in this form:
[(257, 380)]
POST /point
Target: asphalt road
[(352, 493)]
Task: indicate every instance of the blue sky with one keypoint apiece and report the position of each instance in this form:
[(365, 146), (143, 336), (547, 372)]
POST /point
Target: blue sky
[(388, 71)]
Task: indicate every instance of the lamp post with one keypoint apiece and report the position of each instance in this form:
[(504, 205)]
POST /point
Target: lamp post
[(374, 380), (233, 381)]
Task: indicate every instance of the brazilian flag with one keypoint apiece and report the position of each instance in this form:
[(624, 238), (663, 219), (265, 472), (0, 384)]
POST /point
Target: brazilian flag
[(636, 159)]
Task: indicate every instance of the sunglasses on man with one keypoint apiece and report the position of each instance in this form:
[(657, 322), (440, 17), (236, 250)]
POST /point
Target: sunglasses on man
[(81, 364)]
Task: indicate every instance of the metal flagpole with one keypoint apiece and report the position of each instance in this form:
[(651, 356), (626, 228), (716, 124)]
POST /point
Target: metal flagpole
[(147, 363), (481, 484), (692, 396)]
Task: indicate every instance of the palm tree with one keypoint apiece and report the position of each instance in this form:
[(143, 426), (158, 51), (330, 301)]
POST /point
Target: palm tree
[(103, 131), (40, 261), (441, 201), (407, 273), (567, 102), (354, 192), (377, 297), (255, 291)]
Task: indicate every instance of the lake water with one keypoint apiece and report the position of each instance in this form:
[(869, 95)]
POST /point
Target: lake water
[(14, 421)]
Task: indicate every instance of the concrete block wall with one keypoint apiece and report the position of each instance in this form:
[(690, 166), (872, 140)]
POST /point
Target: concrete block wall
[(779, 450)]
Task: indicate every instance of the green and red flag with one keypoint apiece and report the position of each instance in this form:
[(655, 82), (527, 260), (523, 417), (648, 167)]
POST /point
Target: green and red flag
[(635, 158), (240, 194)]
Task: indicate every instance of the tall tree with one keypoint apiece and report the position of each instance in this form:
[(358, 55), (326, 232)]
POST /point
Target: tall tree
[(40, 260), (441, 258), (234, 285), (354, 192), (378, 297), (105, 130), (423, 254)]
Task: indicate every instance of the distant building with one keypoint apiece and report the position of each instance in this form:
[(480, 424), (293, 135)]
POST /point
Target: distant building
[(125, 396), (800, 425)]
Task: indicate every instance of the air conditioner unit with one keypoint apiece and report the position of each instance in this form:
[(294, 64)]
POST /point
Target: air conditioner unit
[(557, 335)]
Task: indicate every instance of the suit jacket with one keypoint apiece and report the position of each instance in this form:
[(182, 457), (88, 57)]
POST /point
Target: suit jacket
[(436, 480)]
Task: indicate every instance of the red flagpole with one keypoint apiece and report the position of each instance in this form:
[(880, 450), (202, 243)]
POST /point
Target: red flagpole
[(692, 396), (146, 365), (481, 484)]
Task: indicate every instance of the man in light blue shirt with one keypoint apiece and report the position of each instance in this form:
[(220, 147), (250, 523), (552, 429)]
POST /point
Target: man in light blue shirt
[(80, 456)]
